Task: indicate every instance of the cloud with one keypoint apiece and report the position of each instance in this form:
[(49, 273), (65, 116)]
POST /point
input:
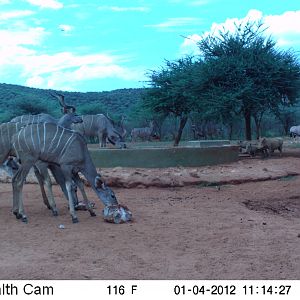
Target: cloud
[(65, 70), (189, 45), (176, 22), (53, 4), (284, 28), (288, 22), (15, 14), (61, 70), (124, 9), (2, 2)]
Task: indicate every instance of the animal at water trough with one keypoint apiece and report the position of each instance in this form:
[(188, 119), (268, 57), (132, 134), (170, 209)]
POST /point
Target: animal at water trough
[(254, 149), (102, 127), (295, 132), (58, 146), (271, 144), (144, 133)]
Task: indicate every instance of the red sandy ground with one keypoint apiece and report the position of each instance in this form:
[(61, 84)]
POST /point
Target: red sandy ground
[(233, 231)]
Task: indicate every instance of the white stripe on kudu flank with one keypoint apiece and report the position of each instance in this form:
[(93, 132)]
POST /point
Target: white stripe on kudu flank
[(52, 139), (44, 137), (32, 137), (38, 135), (25, 139), (19, 137), (66, 145), (91, 124), (57, 145)]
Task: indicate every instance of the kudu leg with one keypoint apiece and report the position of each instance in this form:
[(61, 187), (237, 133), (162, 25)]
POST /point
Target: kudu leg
[(17, 183), (71, 201), (41, 184), (60, 179), (102, 139), (87, 203), (48, 184), (43, 177), (67, 173)]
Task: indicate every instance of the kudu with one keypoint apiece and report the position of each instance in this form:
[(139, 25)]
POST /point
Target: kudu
[(41, 168), (101, 126), (144, 133), (56, 146), (119, 128)]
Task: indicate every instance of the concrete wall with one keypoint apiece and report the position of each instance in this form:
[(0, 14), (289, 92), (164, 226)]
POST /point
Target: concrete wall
[(163, 157)]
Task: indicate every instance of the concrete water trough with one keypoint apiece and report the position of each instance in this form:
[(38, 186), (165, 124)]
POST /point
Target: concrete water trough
[(164, 157), (207, 143)]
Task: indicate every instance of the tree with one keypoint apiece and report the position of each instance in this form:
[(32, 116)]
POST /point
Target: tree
[(247, 74), (171, 91)]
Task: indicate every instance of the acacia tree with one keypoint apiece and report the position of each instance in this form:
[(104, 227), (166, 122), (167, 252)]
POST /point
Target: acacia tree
[(246, 69), (171, 91)]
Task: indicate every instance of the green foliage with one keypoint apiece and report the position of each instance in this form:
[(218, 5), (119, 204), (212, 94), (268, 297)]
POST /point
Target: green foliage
[(171, 91), (90, 109), (240, 74), (17, 100), (246, 74)]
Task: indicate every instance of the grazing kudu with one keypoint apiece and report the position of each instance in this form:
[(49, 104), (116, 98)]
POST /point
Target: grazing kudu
[(58, 146), (41, 168), (144, 133), (119, 128), (101, 126)]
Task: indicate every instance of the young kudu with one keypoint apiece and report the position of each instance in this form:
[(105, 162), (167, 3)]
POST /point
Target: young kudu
[(144, 133)]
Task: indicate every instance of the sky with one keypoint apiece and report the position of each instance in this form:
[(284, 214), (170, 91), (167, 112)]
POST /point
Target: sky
[(96, 45)]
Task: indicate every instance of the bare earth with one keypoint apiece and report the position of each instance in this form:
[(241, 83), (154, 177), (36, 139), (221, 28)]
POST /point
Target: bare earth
[(246, 225)]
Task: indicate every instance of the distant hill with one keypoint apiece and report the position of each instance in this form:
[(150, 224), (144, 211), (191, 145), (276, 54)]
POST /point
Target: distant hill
[(16, 99)]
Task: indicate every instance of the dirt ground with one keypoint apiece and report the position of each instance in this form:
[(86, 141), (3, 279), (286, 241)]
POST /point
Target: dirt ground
[(237, 228)]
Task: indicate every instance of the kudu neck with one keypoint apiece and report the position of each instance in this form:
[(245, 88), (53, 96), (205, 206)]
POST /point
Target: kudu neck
[(65, 121)]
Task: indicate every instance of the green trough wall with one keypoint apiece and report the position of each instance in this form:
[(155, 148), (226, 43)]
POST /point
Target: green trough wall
[(164, 157)]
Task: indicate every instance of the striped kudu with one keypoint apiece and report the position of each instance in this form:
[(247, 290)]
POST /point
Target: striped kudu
[(41, 168), (143, 133), (101, 126), (58, 146)]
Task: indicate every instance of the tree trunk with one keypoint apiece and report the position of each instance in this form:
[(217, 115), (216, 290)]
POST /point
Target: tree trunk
[(182, 123), (248, 134), (286, 128), (257, 127), (230, 131)]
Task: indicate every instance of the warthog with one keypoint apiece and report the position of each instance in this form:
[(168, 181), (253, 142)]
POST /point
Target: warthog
[(255, 148), (272, 144), (252, 148), (295, 132)]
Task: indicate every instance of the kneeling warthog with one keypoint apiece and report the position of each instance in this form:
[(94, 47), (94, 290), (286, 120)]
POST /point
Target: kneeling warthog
[(272, 144), (252, 148), (255, 148)]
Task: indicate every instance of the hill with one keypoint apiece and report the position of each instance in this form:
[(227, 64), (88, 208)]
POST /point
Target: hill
[(16, 100)]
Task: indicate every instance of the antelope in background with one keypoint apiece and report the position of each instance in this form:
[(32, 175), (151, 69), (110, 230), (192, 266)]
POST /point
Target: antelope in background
[(101, 126), (144, 133), (120, 129)]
